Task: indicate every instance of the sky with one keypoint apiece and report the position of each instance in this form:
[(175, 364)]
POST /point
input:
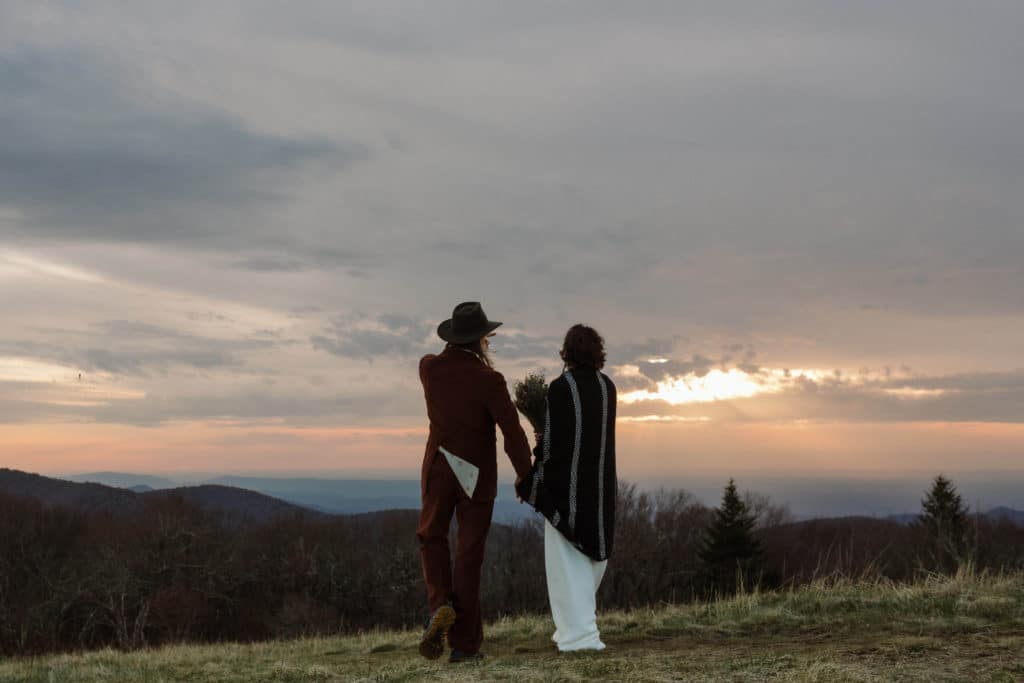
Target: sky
[(229, 230)]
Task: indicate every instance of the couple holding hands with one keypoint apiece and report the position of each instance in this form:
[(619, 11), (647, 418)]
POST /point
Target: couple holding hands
[(570, 481)]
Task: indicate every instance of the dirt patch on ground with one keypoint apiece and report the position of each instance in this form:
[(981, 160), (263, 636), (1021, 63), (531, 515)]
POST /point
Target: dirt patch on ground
[(883, 656)]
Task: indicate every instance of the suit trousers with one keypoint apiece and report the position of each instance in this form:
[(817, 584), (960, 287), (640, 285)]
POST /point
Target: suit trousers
[(444, 498)]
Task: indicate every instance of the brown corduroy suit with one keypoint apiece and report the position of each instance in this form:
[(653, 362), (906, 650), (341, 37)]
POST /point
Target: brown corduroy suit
[(465, 400)]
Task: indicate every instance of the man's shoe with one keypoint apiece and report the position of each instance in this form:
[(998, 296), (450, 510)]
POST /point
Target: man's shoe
[(432, 644), (458, 657)]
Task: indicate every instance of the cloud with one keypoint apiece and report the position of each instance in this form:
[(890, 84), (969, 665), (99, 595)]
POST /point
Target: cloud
[(633, 351), (134, 348), (969, 382), (42, 402), (833, 184), (987, 397), (698, 365), (408, 337), (972, 397), (83, 157), (260, 405), (300, 258), (519, 346), (370, 337), (655, 361)]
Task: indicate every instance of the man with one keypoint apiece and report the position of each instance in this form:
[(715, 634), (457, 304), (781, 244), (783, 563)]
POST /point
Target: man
[(465, 399)]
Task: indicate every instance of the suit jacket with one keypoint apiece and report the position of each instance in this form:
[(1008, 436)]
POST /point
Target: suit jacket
[(465, 400)]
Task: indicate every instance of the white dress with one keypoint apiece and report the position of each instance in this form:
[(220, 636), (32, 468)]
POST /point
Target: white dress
[(573, 579)]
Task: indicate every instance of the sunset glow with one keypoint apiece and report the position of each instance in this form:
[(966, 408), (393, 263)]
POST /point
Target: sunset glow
[(28, 370), (714, 386), (720, 385), (655, 419), (912, 393)]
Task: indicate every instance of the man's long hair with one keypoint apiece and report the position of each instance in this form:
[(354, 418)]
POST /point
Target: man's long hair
[(476, 347)]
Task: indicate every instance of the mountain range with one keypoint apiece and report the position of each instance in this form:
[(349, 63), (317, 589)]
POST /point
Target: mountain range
[(260, 498), (331, 496), (235, 503)]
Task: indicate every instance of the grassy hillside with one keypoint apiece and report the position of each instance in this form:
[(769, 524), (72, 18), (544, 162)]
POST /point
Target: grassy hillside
[(955, 629)]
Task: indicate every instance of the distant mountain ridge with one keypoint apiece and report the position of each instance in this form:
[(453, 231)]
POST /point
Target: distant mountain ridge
[(338, 496), (87, 497), (1001, 512), (358, 496), (995, 514), (123, 480), (329, 496), (235, 503)]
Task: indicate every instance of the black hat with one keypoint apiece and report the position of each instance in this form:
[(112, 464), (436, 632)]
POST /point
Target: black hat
[(467, 324)]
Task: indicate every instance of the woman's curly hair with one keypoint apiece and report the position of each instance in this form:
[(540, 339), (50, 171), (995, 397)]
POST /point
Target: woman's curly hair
[(583, 348)]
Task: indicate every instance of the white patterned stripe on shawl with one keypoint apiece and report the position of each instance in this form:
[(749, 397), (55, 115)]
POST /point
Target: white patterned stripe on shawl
[(539, 476), (600, 464), (574, 472)]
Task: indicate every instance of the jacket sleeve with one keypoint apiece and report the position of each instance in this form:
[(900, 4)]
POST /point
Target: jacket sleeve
[(501, 409)]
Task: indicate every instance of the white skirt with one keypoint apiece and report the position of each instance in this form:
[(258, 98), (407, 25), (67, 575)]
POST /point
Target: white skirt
[(573, 579)]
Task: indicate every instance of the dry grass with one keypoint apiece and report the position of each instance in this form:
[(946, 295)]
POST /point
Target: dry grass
[(969, 627)]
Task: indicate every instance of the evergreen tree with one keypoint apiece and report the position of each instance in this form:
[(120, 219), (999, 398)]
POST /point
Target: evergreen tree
[(945, 521), (729, 550)]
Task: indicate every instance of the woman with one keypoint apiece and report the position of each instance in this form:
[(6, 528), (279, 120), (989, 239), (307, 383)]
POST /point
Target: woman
[(573, 485), (465, 398)]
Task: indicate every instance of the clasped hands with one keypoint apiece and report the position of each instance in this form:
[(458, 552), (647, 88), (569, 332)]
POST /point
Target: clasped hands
[(538, 437)]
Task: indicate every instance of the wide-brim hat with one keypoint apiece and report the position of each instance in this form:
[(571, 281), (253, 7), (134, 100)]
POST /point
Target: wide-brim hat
[(467, 324)]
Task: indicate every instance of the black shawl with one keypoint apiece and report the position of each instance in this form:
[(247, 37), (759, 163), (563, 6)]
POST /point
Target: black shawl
[(572, 482)]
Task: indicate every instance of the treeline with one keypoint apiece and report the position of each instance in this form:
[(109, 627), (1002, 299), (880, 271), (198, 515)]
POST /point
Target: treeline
[(76, 580)]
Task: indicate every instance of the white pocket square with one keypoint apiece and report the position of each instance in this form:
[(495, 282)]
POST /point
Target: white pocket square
[(466, 473)]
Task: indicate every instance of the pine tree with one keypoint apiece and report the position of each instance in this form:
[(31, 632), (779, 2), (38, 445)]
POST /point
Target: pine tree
[(945, 521), (729, 550)]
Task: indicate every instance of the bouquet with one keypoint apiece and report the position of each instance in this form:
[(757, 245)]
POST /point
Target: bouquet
[(532, 399)]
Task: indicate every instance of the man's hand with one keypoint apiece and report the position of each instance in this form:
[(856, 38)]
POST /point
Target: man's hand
[(515, 488)]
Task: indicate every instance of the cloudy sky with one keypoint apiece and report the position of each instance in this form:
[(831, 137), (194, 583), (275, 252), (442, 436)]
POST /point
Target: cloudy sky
[(229, 230)]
